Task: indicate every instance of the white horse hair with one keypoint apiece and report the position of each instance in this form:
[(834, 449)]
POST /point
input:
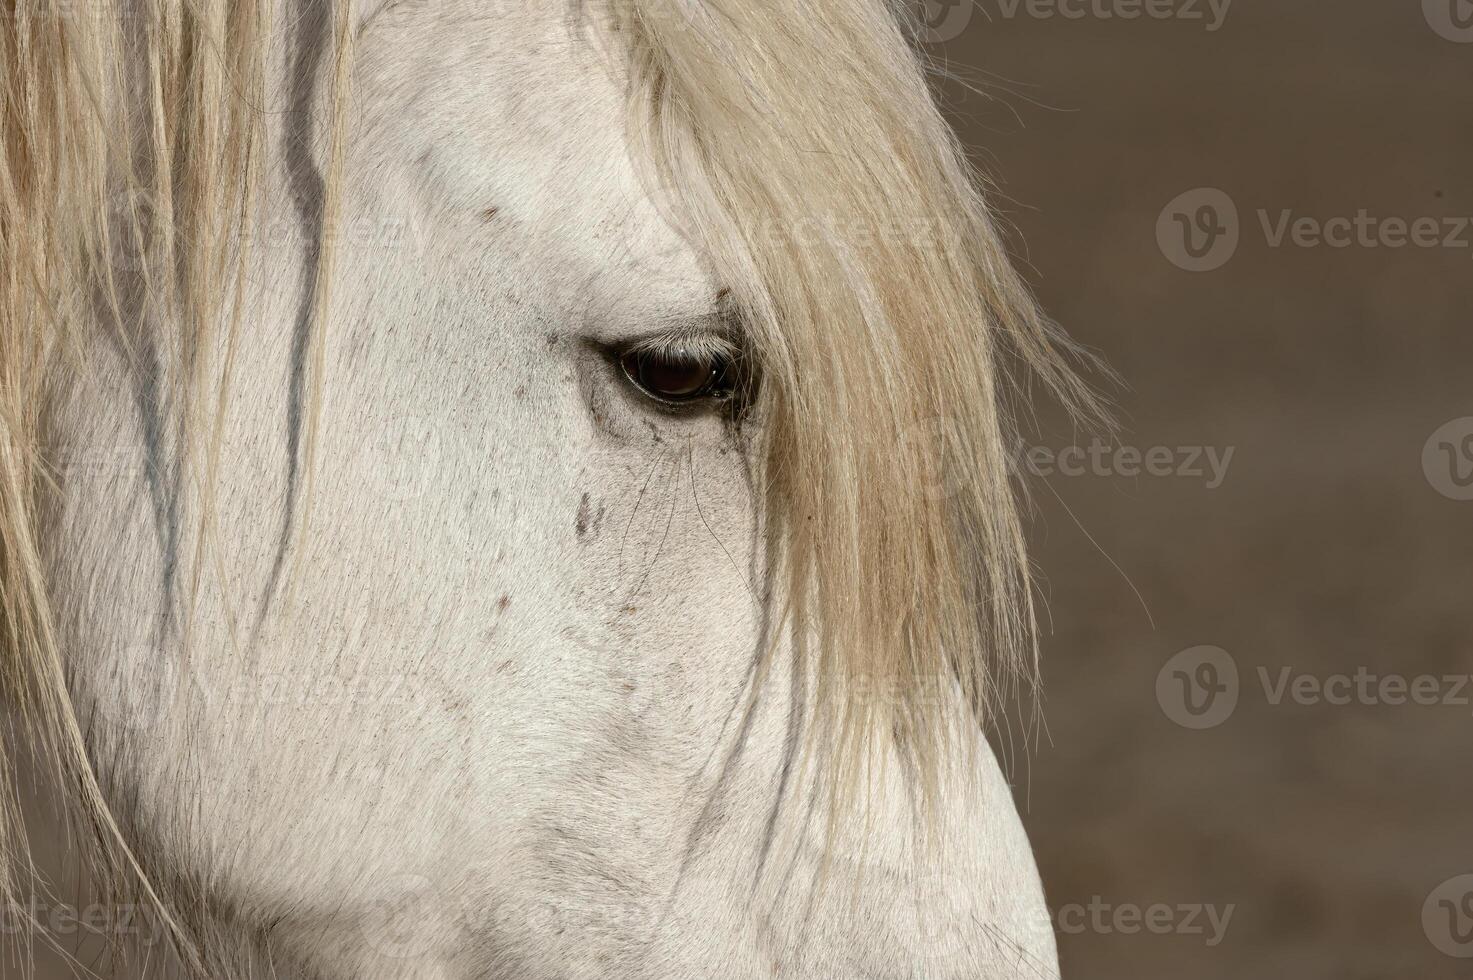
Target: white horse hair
[(509, 489)]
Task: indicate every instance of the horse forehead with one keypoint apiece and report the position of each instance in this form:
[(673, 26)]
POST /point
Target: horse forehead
[(517, 113)]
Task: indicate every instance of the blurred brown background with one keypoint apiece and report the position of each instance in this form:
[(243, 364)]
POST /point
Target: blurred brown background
[(1324, 830), (1326, 548)]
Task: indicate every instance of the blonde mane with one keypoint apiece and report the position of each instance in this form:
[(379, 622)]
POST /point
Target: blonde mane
[(811, 163), (802, 151)]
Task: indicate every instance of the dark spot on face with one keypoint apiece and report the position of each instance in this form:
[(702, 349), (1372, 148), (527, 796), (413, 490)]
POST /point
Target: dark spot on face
[(521, 391), (587, 519), (502, 603), (490, 213), (580, 522)]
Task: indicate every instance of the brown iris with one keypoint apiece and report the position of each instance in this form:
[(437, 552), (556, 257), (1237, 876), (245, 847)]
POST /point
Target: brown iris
[(677, 375)]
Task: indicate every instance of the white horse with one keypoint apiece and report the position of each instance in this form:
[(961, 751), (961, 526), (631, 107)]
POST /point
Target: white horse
[(496, 488)]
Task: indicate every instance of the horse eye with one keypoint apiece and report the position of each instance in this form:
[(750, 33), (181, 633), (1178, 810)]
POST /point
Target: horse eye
[(678, 375)]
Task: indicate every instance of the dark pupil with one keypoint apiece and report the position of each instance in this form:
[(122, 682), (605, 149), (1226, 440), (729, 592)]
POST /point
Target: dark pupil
[(673, 376)]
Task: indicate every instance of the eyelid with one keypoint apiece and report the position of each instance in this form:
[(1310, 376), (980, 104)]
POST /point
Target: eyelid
[(696, 345)]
